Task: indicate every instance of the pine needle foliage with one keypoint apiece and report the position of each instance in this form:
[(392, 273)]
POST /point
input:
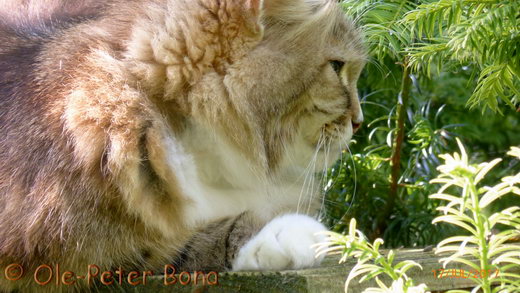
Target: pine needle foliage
[(482, 34)]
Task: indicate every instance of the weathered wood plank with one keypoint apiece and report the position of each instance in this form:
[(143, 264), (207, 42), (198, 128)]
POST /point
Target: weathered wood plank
[(330, 277)]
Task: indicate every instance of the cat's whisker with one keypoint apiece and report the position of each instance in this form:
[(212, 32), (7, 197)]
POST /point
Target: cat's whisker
[(327, 183), (312, 175), (305, 175), (308, 171), (323, 175), (310, 188), (312, 171), (355, 175), (342, 141), (322, 189)]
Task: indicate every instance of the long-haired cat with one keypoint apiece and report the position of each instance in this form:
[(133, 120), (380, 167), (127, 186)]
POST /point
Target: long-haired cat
[(140, 133)]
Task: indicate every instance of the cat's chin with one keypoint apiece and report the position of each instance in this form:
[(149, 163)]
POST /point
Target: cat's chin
[(321, 155), (329, 154), (333, 140)]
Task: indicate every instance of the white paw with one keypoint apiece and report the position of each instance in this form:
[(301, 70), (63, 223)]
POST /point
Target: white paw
[(284, 243)]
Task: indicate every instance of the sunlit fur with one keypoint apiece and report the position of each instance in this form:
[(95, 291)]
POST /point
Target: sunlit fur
[(128, 125)]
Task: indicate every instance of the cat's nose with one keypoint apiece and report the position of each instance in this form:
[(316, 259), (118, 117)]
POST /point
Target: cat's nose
[(357, 121), (355, 111), (356, 126)]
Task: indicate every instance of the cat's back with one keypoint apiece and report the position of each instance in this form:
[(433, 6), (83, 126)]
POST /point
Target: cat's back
[(42, 58), (29, 88), (27, 27), (20, 48)]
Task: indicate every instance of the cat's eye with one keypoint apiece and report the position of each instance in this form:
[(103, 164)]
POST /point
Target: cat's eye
[(337, 65)]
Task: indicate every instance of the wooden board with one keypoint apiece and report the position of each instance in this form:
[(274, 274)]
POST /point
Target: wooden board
[(330, 277)]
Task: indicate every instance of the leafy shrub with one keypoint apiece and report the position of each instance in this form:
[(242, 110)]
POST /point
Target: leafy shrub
[(487, 237)]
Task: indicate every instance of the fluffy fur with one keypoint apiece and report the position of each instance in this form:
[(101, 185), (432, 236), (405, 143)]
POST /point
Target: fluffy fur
[(133, 131)]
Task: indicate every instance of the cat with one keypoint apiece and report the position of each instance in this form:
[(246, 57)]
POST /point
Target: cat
[(141, 133)]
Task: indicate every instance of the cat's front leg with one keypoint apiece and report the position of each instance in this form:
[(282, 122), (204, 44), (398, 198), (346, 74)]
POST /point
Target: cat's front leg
[(283, 243)]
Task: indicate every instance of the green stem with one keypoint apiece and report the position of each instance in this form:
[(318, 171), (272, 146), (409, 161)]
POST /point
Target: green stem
[(390, 270), (481, 222)]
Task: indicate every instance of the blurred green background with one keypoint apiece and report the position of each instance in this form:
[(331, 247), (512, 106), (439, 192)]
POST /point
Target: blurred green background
[(437, 70)]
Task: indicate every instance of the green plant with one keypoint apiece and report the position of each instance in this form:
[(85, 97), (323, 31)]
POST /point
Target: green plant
[(370, 262), (488, 236), (468, 211), (482, 34), (415, 99)]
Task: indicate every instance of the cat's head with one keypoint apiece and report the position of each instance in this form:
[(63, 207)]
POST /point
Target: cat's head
[(276, 79), (326, 56)]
